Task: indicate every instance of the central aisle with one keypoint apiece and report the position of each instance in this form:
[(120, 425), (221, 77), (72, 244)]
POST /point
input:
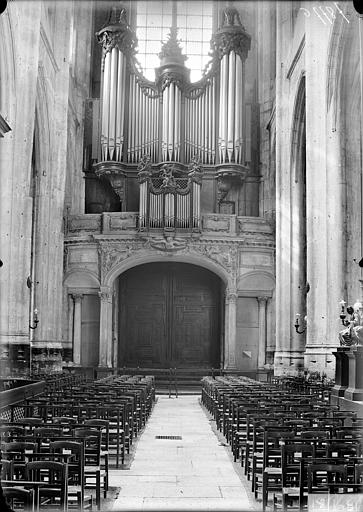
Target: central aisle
[(195, 472)]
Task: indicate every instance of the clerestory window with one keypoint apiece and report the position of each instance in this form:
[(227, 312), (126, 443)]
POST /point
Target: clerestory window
[(194, 20)]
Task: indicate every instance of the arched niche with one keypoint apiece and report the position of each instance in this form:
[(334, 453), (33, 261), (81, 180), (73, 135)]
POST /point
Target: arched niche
[(255, 284), (78, 280)]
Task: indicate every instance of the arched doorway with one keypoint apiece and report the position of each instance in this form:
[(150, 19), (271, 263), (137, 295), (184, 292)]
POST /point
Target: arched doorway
[(169, 315)]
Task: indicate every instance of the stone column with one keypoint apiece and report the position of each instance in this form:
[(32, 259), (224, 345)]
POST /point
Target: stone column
[(77, 327), (230, 330), (105, 354), (262, 308), (70, 317)]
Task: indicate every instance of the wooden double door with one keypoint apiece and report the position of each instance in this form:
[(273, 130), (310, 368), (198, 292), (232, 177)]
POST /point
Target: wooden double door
[(169, 316)]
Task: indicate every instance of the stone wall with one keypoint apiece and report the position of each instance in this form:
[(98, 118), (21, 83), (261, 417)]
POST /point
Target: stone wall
[(310, 47), (45, 59)]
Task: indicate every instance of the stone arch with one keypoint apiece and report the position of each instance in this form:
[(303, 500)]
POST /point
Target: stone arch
[(109, 280), (136, 260)]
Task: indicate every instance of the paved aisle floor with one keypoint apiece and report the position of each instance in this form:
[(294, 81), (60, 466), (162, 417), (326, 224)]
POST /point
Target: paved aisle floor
[(192, 473)]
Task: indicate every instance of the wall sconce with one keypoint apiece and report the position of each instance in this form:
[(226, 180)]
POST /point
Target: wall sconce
[(297, 324), (35, 319), (350, 311)]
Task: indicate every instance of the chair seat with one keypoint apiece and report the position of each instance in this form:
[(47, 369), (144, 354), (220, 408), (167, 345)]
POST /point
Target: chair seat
[(292, 491), (273, 471), (93, 469)]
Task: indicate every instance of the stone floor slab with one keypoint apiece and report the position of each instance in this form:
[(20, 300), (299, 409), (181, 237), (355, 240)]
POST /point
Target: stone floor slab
[(192, 473)]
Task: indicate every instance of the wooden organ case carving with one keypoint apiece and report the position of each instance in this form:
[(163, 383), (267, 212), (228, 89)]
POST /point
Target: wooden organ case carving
[(171, 130)]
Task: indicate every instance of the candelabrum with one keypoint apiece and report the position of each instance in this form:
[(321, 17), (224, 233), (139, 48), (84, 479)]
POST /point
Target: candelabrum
[(297, 324), (35, 319)]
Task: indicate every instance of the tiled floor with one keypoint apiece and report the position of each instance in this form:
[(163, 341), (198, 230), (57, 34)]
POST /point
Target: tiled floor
[(194, 473)]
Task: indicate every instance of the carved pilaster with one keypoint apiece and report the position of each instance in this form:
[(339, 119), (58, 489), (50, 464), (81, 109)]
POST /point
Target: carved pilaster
[(262, 330), (77, 327), (105, 350), (230, 328)]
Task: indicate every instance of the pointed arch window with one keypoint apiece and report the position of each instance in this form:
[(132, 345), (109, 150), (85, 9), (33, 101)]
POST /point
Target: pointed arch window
[(194, 21)]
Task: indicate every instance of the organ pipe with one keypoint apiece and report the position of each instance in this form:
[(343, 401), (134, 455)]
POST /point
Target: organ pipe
[(172, 119)]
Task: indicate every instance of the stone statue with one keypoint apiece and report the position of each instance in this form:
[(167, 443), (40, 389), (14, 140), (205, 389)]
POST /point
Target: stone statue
[(353, 333)]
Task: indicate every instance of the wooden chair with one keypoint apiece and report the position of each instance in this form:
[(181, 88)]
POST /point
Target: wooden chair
[(351, 448), (104, 426), (94, 475), (118, 436), (63, 420), (43, 435), (6, 469), (76, 478), (268, 478), (16, 451), (19, 498), (321, 475), (30, 421), (54, 493), (294, 459), (10, 431)]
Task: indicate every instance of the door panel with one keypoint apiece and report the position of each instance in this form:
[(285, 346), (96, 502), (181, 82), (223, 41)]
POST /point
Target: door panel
[(169, 316)]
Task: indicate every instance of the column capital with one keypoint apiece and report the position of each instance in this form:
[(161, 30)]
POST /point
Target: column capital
[(262, 299), (231, 296), (77, 296), (105, 294)]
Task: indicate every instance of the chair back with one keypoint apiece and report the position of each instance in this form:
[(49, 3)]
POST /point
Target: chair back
[(16, 496), (321, 475)]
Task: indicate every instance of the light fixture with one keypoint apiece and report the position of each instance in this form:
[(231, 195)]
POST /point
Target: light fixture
[(297, 324), (35, 319)]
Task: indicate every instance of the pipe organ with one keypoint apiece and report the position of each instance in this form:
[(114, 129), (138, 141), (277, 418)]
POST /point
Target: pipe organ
[(167, 201), (171, 120)]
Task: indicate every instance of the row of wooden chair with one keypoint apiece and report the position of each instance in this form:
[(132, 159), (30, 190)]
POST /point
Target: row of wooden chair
[(78, 428), (266, 425)]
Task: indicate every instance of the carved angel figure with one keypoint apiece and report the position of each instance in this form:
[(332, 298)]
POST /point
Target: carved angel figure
[(144, 168), (195, 169), (168, 178), (353, 334), (168, 243)]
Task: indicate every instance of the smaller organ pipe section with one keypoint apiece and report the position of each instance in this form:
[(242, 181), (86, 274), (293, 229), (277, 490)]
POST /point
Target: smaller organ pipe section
[(200, 118), (230, 140), (143, 123), (167, 201), (171, 107)]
